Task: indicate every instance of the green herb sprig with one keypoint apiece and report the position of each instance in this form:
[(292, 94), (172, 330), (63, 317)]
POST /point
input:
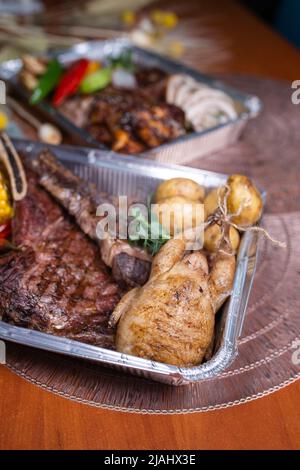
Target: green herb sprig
[(146, 230)]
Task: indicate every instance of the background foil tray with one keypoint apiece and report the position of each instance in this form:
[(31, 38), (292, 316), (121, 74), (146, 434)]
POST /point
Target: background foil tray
[(180, 150), (118, 174)]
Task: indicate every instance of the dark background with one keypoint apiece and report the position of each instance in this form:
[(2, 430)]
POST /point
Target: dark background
[(283, 15)]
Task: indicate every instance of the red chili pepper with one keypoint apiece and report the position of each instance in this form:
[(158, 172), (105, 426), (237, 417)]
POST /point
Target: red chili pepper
[(70, 81), (5, 230)]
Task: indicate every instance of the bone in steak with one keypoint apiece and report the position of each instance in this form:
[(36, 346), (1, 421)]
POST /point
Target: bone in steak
[(81, 200), (57, 283)]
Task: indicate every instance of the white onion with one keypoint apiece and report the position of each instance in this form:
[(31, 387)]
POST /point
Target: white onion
[(49, 134), (122, 78)]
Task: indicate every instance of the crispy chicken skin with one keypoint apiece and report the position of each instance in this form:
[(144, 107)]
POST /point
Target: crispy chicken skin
[(171, 318)]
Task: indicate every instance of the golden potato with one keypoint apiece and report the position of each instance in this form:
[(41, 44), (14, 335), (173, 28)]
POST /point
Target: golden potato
[(212, 237), (177, 213), (180, 187), (211, 201), (244, 197)]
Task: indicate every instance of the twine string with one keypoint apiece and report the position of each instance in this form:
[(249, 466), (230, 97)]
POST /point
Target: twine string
[(223, 218)]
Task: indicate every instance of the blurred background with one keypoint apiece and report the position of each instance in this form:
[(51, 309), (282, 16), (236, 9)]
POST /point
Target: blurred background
[(83, 19), (283, 15)]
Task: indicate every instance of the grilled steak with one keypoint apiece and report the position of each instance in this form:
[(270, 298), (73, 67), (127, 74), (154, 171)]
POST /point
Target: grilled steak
[(57, 283), (81, 200)]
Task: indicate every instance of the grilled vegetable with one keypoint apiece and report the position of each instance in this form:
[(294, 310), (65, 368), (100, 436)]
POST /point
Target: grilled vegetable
[(47, 82), (3, 121), (92, 67), (5, 230), (6, 209), (70, 81), (122, 78), (96, 81)]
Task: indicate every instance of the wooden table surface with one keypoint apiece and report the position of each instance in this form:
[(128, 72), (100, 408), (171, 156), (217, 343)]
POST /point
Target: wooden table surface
[(31, 418)]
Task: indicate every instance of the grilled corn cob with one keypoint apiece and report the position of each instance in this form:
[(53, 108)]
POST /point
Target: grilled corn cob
[(6, 209)]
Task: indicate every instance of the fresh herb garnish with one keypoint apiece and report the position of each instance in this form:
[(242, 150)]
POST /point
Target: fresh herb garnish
[(124, 60), (151, 236)]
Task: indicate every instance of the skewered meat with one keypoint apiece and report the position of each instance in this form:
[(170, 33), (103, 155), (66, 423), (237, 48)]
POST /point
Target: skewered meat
[(81, 200), (171, 318)]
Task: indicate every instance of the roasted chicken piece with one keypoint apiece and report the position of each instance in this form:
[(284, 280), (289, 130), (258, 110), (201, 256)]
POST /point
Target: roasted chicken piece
[(158, 124), (131, 121), (171, 318)]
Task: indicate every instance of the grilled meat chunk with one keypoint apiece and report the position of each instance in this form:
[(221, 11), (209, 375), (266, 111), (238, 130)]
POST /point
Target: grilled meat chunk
[(129, 120), (152, 81), (158, 124), (57, 283), (78, 197), (130, 271), (77, 109), (134, 120)]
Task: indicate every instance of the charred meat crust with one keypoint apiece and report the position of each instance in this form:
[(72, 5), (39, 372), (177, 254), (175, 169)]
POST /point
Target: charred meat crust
[(129, 121), (129, 271), (57, 283)]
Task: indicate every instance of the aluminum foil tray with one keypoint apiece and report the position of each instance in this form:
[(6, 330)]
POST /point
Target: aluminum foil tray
[(181, 150), (118, 174)]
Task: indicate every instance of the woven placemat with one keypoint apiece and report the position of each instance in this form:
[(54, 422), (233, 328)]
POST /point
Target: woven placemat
[(267, 360)]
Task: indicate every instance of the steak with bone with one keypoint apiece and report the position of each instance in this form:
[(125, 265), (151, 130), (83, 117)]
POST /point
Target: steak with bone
[(130, 265), (56, 283)]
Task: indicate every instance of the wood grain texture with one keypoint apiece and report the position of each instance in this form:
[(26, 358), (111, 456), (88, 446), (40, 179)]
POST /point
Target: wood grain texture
[(32, 418)]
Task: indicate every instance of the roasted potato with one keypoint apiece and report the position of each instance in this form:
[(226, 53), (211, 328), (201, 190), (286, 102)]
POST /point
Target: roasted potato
[(244, 199), (180, 187), (212, 238), (211, 201), (177, 213)]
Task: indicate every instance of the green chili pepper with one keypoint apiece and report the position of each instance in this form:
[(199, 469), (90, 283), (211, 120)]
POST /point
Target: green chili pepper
[(47, 82), (96, 81)]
